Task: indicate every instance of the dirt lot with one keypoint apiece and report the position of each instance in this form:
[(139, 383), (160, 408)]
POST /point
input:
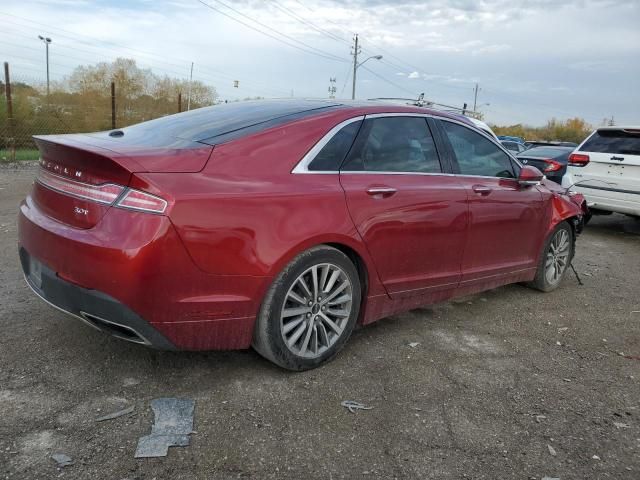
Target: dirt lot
[(508, 384)]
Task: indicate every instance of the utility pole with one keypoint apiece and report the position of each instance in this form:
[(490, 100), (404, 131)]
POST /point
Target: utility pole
[(475, 97), (356, 52), (332, 88), (189, 94), (7, 92), (46, 41), (113, 105)]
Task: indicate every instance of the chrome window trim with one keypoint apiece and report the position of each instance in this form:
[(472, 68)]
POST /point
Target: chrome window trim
[(302, 165), (374, 172)]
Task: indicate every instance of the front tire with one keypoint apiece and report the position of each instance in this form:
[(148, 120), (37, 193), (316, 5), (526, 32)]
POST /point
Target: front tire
[(555, 259), (310, 310)]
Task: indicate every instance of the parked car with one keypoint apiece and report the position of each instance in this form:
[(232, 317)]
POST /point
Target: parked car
[(283, 224), (606, 169), (483, 126), (513, 147), (510, 138), (552, 161), (547, 143)]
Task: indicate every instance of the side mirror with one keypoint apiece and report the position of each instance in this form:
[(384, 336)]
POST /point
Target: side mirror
[(530, 176)]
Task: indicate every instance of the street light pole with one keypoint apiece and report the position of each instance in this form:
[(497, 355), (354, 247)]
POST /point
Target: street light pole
[(46, 41), (356, 65)]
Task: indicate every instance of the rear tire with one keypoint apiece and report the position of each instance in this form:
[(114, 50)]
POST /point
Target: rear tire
[(555, 259), (310, 310)]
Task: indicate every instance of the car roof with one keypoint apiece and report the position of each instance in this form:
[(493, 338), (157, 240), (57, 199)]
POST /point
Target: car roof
[(620, 127), (224, 122)]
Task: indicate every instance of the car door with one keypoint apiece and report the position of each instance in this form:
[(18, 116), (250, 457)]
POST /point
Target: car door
[(505, 219), (410, 213)]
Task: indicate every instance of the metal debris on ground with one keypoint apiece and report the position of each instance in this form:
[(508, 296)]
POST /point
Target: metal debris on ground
[(621, 425), (172, 427), (414, 344), (539, 418), (353, 406), (62, 460), (117, 414), (552, 450)]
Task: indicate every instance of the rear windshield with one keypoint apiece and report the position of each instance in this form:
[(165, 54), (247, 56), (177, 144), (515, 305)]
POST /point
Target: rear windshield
[(219, 123), (614, 141), (546, 152)]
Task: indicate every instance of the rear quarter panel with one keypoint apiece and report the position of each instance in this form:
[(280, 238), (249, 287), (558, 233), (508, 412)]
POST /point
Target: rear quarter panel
[(246, 214)]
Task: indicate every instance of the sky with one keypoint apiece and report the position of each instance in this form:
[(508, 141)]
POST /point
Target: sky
[(532, 59)]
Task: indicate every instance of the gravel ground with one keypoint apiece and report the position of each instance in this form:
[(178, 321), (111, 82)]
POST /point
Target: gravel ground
[(509, 384)]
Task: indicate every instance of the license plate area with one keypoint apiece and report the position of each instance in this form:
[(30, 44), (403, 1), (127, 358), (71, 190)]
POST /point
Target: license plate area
[(35, 272)]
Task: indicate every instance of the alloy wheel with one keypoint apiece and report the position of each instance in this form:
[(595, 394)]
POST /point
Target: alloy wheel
[(316, 310), (557, 256)]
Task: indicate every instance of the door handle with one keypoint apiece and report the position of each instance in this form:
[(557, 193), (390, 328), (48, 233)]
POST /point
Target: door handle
[(382, 191), (620, 159), (482, 190)]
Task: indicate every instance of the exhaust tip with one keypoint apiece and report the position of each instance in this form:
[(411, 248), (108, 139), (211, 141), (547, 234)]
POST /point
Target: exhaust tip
[(114, 329)]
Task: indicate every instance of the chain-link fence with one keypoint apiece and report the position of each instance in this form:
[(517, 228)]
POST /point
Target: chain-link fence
[(26, 110)]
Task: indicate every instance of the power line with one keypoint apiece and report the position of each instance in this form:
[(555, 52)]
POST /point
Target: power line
[(207, 69), (309, 49), (387, 80), (309, 23)]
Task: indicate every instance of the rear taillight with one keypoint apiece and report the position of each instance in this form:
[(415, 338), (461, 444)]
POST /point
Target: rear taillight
[(578, 160), (105, 194), (552, 165), (145, 202)]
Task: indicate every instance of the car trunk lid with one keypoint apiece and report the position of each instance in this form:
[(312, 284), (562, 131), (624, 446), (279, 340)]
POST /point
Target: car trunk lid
[(81, 176)]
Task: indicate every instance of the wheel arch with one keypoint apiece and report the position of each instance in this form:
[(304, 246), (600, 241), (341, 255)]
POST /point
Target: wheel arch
[(351, 247)]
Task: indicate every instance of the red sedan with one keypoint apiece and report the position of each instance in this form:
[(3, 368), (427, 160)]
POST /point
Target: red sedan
[(283, 224)]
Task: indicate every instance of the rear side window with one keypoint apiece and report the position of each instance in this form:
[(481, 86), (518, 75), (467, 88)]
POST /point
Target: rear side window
[(614, 141), (394, 144), (332, 154), (477, 155)]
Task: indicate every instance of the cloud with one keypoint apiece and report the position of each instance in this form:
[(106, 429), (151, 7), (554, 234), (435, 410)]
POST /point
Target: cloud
[(520, 51)]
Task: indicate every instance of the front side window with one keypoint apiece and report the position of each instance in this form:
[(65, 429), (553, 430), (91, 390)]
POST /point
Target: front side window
[(332, 154), (394, 144), (477, 155)]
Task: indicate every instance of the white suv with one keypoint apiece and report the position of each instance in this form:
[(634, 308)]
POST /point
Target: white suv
[(605, 168)]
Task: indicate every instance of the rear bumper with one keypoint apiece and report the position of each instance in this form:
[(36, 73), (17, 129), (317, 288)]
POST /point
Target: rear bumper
[(131, 276), (90, 306), (609, 197)]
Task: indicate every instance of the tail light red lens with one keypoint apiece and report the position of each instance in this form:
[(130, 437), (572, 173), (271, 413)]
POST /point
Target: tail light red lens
[(578, 160), (145, 202), (552, 166), (105, 193)]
